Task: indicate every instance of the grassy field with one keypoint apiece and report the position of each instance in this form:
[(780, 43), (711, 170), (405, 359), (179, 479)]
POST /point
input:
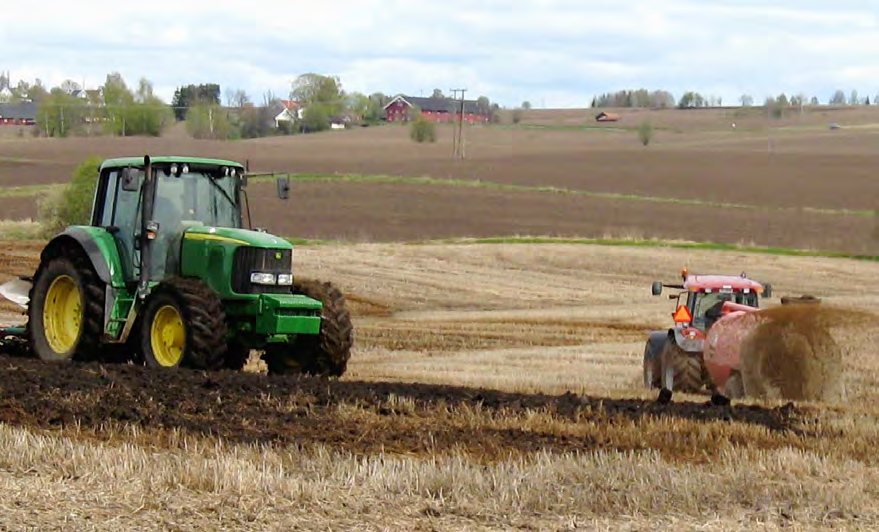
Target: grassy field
[(552, 430)]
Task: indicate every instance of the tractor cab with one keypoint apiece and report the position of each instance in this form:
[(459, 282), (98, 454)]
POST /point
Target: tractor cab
[(199, 192), (702, 297), (673, 357)]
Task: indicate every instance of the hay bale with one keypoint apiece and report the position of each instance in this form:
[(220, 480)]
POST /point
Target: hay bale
[(793, 355)]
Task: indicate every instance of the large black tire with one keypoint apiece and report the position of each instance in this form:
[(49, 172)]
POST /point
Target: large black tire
[(683, 369), (652, 368), (183, 324), (324, 354), (66, 308)]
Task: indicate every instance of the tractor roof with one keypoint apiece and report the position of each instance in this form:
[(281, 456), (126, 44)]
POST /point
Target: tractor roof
[(696, 283), (138, 161)]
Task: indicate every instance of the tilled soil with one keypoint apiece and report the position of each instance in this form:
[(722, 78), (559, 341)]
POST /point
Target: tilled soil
[(360, 417)]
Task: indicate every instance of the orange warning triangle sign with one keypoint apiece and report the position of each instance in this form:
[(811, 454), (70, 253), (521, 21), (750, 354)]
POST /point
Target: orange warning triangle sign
[(682, 315)]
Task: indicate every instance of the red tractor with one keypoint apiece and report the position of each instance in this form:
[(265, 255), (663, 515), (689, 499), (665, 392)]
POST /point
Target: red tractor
[(674, 358)]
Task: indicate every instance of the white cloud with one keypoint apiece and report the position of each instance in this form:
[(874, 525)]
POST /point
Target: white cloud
[(560, 52)]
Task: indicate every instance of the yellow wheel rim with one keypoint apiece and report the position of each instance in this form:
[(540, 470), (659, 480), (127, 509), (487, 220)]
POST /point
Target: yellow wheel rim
[(168, 336), (62, 314)]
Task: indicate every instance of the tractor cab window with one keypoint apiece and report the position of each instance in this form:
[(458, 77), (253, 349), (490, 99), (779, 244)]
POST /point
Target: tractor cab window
[(184, 201), (195, 199), (705, 306)]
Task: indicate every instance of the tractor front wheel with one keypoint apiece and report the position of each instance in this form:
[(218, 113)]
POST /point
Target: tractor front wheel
[(66, 310), (183, 324), (681, 371), (324, 354)]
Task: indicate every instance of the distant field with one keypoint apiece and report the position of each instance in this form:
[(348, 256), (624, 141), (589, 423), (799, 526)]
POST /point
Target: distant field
[(796, 185)]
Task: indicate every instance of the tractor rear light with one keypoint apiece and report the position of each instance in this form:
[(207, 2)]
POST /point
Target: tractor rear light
[(285, 279), (263, 278), (152, 229)]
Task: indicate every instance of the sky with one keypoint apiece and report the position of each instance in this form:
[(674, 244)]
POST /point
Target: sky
[(551, 53)]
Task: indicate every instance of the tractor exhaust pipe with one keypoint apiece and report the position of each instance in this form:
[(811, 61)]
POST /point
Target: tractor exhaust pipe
[(147, 231)]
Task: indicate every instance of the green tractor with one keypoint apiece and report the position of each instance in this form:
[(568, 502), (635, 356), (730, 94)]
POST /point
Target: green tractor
[(165, 273)]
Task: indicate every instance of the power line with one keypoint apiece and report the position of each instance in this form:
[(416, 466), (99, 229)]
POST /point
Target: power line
[(458, 139)]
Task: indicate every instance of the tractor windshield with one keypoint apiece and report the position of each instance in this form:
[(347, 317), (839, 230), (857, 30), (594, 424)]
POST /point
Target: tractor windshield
[(195, 199), (705, 306)]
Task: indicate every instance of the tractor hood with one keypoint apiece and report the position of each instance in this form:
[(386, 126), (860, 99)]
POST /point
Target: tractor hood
[(238, 237)]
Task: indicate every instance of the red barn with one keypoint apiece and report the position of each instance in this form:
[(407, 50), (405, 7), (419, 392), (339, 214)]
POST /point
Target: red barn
[(18, 114), (439, 110)]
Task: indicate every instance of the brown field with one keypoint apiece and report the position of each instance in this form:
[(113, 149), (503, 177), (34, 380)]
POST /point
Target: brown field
[(492, 387)]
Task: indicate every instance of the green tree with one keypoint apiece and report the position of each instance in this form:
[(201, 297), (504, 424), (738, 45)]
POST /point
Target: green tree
[(358, 104), (191, 95), (422, 130), (208, 121), (71, 205), (437, 93), (645, 132), (526, 105), (315, 118), (309, 89), (376, 110), (59, 114)]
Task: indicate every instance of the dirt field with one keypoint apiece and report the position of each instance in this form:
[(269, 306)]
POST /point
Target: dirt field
[(492, 387)]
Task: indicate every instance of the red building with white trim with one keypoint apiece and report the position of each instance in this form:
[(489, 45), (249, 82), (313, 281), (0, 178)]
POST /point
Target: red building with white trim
[(439, 110)]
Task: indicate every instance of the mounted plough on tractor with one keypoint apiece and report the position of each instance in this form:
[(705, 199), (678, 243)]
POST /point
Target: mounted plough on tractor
[(683, 357), (166, 274)]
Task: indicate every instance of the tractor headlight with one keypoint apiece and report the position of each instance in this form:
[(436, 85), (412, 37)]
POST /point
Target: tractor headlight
[(263, 278), (285, 279)]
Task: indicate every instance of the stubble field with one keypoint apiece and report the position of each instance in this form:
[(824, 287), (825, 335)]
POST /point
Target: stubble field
[(527, 412)]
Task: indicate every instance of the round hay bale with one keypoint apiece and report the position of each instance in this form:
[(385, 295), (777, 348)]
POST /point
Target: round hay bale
[(792, 355)]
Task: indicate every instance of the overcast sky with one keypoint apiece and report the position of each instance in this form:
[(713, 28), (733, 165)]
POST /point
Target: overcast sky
[(553, 53)]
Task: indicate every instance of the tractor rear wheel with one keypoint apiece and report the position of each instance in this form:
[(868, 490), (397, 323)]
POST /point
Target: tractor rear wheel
[(652, 368), (66, 310), (324, 354), (681, 371), (183, 325)]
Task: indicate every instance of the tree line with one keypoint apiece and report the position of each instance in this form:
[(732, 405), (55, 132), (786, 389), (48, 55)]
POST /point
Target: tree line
[(660, 99), (114, 108)]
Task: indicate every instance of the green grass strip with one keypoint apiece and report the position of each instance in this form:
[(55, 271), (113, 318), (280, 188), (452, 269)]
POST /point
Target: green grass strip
[(618, 242), (475, 183), (26, 191), (627, 242)]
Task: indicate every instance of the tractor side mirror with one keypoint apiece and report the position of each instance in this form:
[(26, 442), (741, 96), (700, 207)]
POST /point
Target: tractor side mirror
[(130, 180), (283, 188), (656, 289), (767, 290)]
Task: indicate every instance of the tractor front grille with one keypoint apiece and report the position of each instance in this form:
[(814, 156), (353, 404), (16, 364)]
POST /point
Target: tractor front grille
[(250, 259)]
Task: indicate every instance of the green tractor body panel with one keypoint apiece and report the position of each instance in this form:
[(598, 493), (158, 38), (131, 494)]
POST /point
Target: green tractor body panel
[(101, 248), (224, 259)]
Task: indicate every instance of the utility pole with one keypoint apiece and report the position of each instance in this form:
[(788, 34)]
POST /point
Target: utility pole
[(458, 140)]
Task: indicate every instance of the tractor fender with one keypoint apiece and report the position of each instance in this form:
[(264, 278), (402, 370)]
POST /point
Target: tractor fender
[(685, 342), (655, 343), (98, 244)]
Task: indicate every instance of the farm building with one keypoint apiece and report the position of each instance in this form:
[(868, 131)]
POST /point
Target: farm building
[(607, 117), (439, 110), (18, 114), (287, 111)]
